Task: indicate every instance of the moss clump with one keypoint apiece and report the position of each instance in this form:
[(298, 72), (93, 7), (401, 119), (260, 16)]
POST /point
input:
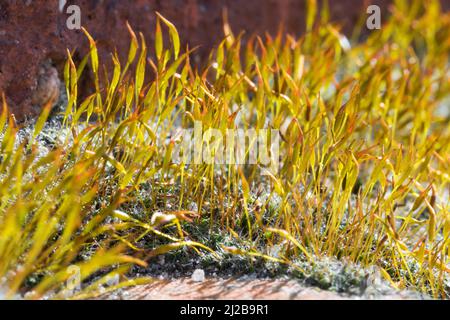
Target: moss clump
[(364, 160)]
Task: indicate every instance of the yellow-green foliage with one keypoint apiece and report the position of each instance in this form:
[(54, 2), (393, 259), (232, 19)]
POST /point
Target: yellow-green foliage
[(364, 148)]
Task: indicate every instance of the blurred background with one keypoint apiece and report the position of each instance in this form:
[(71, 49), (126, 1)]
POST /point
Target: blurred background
[(34, 35)]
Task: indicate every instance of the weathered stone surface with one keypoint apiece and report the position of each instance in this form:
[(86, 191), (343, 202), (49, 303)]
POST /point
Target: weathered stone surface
[(230, 289), (34, 36), (238, 289)]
